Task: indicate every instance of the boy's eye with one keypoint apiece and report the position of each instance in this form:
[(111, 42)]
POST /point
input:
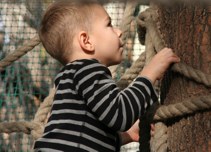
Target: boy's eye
[(110, 24)]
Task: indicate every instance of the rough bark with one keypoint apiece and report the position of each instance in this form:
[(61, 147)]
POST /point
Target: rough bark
[(186, 27)]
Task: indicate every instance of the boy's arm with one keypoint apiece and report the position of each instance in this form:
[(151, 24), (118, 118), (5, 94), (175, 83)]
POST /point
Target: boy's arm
[(162, 60), (120, 109), (117, 109)]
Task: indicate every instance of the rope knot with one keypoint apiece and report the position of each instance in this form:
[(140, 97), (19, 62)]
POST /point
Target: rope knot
[(149, 16), (37, 130)]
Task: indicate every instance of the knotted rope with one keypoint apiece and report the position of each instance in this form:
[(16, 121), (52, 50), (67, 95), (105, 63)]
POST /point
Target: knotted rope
[(188, 106)]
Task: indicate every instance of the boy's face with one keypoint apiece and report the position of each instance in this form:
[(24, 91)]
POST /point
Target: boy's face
[(106, 39)]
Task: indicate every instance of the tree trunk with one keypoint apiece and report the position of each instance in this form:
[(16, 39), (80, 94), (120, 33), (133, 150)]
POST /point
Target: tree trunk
[(186, 28)]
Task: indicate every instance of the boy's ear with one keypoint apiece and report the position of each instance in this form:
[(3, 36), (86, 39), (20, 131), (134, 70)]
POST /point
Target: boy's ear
[(85, 42)]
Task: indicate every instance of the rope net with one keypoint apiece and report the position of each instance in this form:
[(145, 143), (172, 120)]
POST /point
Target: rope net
[(27, 81)]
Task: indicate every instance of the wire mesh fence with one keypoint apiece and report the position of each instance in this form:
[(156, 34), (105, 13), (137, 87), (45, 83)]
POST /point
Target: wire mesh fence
[(25, 83)]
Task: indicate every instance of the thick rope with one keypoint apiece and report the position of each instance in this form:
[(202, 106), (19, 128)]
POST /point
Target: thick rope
[(193, 74), (159, 141), (42, 113), (150, 52), (128, 18), (44, 108), (26, 127), (188, 106), (28, 46), (132, 72), (160, 137)]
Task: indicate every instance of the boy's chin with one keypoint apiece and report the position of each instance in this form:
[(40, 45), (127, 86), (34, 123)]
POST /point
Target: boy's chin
[(115, 63)]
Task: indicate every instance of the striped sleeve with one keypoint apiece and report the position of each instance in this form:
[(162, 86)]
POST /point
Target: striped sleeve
[(117, 109)]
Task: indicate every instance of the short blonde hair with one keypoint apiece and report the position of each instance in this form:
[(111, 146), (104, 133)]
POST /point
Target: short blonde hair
[(60, 23)]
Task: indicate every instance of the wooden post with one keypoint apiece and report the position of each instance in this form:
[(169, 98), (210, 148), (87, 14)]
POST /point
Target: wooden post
[(186, 27)]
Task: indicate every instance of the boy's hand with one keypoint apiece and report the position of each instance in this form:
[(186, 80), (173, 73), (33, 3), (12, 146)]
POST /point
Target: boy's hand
[(131, 135), (159, 64), (152, 130), (134, 132)]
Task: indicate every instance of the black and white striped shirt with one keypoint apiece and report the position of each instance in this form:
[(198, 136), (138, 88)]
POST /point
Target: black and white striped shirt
[(89, 109)]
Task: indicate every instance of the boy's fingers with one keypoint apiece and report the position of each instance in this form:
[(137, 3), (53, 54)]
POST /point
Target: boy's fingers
[(152, 127), (174, 59), (152, 131)]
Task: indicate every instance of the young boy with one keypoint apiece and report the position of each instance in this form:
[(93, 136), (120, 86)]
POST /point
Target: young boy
[(89, 112)]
